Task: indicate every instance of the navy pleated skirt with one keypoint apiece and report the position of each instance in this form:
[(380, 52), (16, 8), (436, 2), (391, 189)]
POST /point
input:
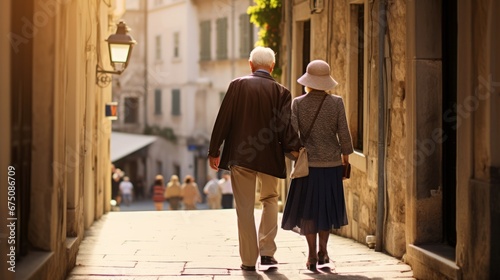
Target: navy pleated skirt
[(316, 202)]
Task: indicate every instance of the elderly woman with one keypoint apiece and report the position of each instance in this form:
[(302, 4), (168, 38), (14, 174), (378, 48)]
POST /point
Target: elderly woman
[(190, 193), (158, 192), (173, 193), (316, 203)]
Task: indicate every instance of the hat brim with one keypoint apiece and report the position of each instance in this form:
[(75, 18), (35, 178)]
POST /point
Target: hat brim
[(317, 82)]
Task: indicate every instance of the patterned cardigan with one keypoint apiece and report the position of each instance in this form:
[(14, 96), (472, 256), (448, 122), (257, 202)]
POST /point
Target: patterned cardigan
[(329, 137)]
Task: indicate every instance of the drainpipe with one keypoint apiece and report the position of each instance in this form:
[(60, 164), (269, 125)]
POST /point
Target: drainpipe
[(233, 39), (381, 129), (146, 85), (288, 12), (288, 30)]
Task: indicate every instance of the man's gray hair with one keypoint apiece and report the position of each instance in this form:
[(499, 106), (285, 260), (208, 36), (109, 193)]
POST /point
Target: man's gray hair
[(262, 56)]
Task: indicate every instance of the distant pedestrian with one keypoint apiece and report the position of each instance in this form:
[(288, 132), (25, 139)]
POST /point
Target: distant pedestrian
[(115, 188), (126, 189), (139, 188), (159, 192), (213, 192), (190, 193), (254, 124), (227, 190), (315, 203), (173, 193)]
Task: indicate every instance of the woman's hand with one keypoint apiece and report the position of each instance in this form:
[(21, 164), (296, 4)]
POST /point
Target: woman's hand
[(345, 159)]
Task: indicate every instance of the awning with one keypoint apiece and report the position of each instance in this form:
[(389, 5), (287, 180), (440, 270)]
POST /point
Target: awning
[(123, 144)]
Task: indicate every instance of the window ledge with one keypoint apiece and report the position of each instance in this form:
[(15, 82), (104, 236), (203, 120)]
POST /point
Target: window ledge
[(358, 160), (437, 258)]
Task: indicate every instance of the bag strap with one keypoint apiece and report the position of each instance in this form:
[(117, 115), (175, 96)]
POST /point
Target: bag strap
[(306, 135)]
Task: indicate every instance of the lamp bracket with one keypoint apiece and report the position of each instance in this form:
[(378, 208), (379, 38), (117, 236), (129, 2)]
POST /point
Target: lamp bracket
[(102, 79)]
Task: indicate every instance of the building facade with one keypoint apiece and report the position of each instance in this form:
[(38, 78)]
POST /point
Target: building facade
[(420, 82), (55, 142)]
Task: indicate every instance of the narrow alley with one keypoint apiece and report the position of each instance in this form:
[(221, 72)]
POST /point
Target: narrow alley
[(203, 244)]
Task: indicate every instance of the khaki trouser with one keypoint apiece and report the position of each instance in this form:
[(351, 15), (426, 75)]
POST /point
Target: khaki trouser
[(244, 183), (214, 202)]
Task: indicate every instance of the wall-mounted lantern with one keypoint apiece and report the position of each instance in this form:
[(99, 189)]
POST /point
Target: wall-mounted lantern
[(120, 47), (112, 110), (316, 6)]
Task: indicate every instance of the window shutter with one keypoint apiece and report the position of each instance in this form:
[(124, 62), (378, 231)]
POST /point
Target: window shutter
[(158, 48), (131, 110), (176, 44), (176, 102), (246, 36), (157, 101), (222, 38), (205, 46)]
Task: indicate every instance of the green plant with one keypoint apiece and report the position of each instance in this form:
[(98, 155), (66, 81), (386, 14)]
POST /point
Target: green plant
[(266, 14), (165, 132)]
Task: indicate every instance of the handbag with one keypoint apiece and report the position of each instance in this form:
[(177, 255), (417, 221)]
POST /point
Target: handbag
[(346, 171), (301, 165)]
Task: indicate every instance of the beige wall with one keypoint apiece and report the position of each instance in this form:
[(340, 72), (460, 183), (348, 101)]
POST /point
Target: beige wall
[(478, 189), (475, 255), (70, 168)]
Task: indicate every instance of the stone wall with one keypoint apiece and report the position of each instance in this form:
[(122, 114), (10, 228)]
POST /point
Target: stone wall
[(330, 42)]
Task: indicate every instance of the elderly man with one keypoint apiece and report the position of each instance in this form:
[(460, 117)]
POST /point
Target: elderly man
[(254, 124)]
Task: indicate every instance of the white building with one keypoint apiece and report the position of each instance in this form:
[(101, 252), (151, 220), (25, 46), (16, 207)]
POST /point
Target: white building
[(194, 48)]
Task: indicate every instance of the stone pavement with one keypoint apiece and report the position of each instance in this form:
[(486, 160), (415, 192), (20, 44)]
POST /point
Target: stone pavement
[(203, 244)]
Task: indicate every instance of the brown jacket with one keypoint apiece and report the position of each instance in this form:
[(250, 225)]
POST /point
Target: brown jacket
[(254, 124)]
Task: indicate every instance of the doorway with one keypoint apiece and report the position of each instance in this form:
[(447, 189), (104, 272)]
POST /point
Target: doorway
[(21, 122), (449, 147), (306, 47)]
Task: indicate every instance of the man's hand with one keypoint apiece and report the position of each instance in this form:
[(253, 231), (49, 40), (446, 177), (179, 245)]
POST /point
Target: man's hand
[(214, 162), (295, 154)]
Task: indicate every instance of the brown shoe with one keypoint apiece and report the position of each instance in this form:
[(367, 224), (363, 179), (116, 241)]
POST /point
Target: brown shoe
[(247, 267)]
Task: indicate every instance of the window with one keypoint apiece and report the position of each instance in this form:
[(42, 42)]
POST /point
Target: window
[(222, 38), (131, 110), (357, 69), (205, 50), (176, 44), (158, 47), (177, 170), (176, 102), (157, 101), (246, 36), (159, 167)]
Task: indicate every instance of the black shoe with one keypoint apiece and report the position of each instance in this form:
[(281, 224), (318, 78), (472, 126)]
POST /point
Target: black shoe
[(247, 268), (266, 260), (311, 264), (323, 258)]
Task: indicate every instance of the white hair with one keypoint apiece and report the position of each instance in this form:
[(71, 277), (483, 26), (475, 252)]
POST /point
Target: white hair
[(309, 89), (262, 56)]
